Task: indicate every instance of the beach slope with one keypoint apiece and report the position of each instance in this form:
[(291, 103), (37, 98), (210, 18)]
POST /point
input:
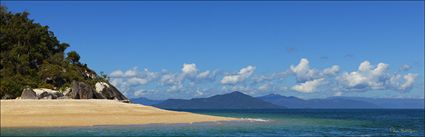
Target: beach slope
[(63, 113)]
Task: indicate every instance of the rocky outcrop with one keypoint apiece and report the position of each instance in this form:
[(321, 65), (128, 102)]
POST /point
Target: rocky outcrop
[(109, 92), (40, 93), (78, 90), (43, 93), (28, 93), (81, 90)]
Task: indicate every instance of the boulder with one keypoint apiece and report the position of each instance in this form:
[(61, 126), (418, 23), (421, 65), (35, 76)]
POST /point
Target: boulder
[(28, 93), (81, 90), (46, 95), (102, 90), (85, 91), (66, 91), (43, 93), (110, 92)]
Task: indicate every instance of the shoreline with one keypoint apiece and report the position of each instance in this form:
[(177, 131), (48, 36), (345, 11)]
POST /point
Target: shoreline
[(92, 112)]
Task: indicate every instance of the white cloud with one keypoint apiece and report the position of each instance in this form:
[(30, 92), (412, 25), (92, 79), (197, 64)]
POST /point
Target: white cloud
[(242, 75), (135, 81), (405, 67), (117, 73), (339, 93), (128, 81), (409, 80), (369, 77), (192, 81), (203, 75), (189, 69), (308, 86), (176, 87), (332, 70), (131, 72), (264, 87), (169, 79), (303, 71), (365, 66), (139, 93)]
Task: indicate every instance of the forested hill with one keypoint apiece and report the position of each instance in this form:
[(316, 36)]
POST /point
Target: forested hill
[(32, 57)]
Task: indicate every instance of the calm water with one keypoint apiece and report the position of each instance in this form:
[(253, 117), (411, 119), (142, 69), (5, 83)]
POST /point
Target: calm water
[(291, 122)]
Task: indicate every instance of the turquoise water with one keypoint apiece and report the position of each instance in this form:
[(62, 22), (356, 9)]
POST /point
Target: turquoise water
[(290, 122)]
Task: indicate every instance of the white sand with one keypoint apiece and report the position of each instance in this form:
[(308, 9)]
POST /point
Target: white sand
[(59, 113)]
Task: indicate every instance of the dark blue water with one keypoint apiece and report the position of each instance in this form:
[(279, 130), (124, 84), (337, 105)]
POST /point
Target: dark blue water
[(290, 122)]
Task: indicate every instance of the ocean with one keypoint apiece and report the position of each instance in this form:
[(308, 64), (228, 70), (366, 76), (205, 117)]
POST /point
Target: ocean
[(285, 122)]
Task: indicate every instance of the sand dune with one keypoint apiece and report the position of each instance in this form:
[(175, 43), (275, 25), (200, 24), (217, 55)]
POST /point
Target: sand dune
[(57, 113)]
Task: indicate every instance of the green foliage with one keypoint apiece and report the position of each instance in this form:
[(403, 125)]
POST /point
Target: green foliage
[(73, 57), (32, 56)]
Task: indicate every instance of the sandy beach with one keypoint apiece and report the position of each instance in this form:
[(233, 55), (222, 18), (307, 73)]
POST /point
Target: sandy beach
[(60, 113)]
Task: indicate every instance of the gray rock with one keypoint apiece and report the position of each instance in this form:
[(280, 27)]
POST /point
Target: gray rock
[(49, 96), (113, 93), (97, 95), (85, 91), (81, 90), (47, 93), (66, 91), (28, 93)]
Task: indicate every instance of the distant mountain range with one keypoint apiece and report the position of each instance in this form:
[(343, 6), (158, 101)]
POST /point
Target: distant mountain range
[(146, 101), (344, 102), (234, 100), (238, 100)]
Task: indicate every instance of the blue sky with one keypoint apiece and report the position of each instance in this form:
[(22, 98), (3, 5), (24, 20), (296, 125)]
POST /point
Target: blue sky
[(250, 44)]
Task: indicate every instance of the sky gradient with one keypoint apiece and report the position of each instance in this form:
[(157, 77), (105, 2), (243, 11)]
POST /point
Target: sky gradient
[(196, 49)]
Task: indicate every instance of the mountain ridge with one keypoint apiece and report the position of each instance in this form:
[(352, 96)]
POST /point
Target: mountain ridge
[(343, 102), (233, 100)]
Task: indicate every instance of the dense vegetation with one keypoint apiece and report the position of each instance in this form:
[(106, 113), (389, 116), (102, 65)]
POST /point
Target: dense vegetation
[(32, 56)]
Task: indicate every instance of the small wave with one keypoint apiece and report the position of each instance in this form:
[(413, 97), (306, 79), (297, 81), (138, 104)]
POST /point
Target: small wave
[(254, 119)]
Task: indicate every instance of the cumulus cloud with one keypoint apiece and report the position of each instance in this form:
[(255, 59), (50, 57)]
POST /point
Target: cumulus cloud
[(369, 77), (304, 73), (205, 74), (264, 87), (405, 67), (169, 79), (242, 75), (127, 80), (135, 80), (308, 86), (189, 69), (190, 80), (116, 73), (133, 72), (139, 93), (331, 71), (409, 80)]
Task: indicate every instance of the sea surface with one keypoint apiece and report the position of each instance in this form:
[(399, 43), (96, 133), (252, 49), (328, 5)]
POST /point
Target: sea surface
[(288, 122)]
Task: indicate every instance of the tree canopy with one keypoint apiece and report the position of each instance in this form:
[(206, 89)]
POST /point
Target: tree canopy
[(32, 56)]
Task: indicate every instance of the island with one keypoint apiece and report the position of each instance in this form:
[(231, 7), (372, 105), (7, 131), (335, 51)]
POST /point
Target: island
[(41, 86)]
